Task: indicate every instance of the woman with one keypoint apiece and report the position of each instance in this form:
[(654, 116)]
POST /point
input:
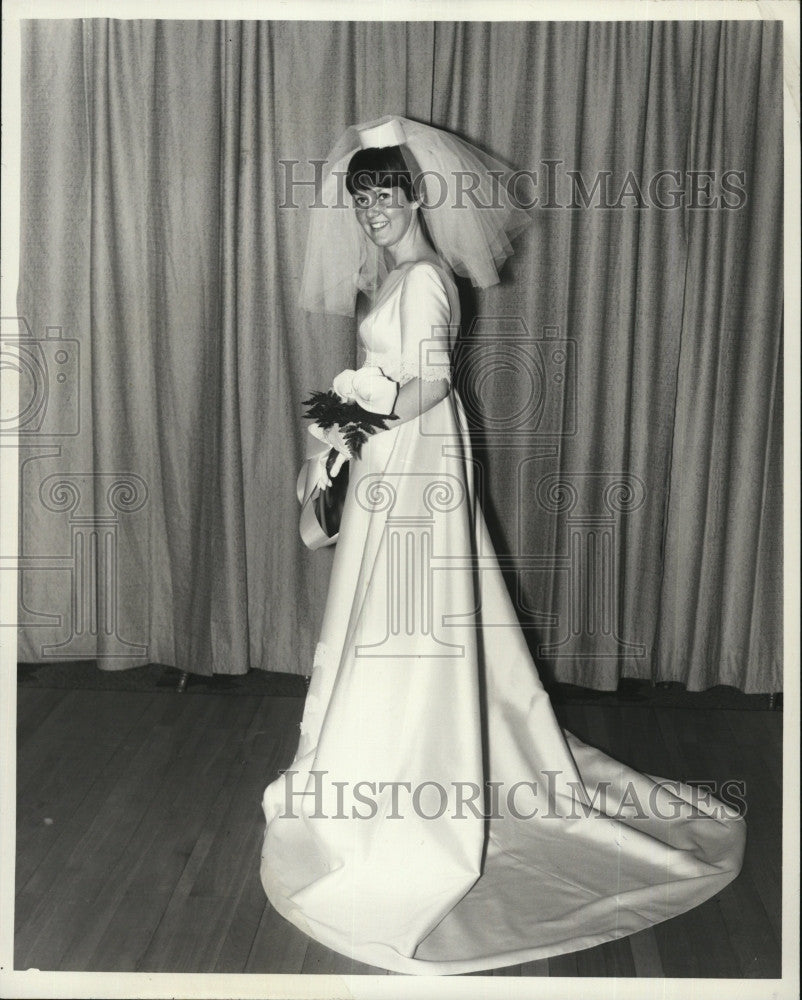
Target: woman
[(436, 818)]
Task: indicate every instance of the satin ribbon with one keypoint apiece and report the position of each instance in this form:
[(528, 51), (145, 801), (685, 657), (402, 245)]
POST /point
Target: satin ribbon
[(307, 486)]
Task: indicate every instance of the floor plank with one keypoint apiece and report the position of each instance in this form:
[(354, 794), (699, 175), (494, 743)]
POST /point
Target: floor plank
[(618, 958), (34, 705), (679, 954), (238, 940), (749, 930), (540, 968), (320, 959), (278, 945), (225, 855), (86, 844), (708, 745), (169, 835), (564, 965), (143, 829), (646, 954)]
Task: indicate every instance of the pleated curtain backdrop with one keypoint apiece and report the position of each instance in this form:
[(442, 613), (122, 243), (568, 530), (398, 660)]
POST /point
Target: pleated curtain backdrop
[(159, 519)]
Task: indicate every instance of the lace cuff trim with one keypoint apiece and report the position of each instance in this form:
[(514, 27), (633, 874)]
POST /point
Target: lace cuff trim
[(412, 368)]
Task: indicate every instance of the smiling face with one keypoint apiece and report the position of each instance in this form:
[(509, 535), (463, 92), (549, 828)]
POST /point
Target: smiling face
[(385, 214)]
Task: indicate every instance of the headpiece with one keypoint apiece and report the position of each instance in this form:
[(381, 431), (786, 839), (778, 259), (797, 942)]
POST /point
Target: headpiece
[(390, 133), (469, 214)]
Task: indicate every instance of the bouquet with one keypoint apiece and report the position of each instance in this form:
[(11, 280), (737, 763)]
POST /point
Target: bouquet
[(322, 507), (344, 409)]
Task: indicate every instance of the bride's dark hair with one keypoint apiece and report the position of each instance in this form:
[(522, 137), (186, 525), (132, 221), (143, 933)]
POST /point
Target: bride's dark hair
[(379, 167)]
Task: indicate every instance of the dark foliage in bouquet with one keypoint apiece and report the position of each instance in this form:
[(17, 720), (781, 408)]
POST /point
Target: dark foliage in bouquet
[(356, 423)]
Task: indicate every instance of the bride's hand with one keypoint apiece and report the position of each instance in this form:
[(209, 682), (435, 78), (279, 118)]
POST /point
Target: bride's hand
[(335, 438), (332, 437), (343, 385), (373, 390), (324, 475)]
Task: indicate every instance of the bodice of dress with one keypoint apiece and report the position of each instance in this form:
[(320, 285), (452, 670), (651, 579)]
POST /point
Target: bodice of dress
[(410, 329)]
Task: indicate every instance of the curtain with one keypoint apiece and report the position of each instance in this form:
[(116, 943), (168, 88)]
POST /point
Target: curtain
[(635, 499)]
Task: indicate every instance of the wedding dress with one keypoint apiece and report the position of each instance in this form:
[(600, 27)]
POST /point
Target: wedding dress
[(436, 818)]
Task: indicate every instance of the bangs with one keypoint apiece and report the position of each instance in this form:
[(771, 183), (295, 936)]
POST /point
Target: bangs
[(383, 167)]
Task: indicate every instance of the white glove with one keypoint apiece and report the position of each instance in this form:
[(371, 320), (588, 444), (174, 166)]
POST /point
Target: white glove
[(323, 477), (343, 384), (373, 390)]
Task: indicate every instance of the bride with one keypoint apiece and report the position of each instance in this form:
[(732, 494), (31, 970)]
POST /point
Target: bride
[(436, 819)]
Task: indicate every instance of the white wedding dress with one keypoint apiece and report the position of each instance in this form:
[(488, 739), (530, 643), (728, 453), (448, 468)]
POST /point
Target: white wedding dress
[(420, 722)]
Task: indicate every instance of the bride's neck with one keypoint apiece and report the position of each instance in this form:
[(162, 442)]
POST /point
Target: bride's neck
[(412, 246)]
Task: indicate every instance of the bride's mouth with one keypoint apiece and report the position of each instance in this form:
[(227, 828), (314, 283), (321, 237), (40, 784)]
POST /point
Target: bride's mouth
[(378, 225)]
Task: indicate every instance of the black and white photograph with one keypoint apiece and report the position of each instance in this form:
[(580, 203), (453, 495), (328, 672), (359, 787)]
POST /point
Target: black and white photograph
[(400, 453)]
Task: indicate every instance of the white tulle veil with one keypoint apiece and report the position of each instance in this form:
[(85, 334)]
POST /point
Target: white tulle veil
[(469, 214)]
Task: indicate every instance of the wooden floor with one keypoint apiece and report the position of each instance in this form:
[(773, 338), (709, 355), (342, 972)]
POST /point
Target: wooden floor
[(139, 829)]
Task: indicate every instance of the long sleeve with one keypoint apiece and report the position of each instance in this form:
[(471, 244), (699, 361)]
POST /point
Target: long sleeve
[(425, 314)]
